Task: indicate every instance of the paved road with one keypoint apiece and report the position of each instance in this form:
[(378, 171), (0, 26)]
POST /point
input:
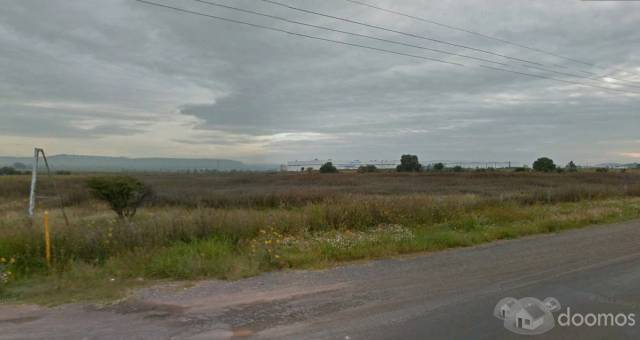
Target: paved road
[(444, 295)]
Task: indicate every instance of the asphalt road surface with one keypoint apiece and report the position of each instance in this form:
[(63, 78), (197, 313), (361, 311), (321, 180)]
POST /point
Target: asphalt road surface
[(444, 295)]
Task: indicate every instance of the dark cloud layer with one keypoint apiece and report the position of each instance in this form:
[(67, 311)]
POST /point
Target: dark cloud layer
[(121, 77)]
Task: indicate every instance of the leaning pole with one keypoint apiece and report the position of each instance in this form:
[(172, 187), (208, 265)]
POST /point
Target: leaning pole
[(34, 178)]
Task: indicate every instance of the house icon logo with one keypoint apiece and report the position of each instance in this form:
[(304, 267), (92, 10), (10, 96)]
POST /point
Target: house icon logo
[(527, 316)]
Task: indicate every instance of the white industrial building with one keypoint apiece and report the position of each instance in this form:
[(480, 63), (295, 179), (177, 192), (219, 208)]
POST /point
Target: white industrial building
[(315, 164)]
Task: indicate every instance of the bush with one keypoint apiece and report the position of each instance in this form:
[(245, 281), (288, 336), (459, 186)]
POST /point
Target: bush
[(458, 168), (571, 167), (521, 169), (544, 164), (7, 170), (409, 163), (438, 167), (367, 168), (124, 194), (602, 170), (328, 168)]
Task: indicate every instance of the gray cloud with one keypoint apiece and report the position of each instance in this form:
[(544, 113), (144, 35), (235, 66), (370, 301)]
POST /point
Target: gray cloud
[(166, 83)]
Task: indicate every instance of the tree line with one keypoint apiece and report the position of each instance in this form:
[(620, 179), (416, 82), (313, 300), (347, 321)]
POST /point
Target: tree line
[(411, 163)]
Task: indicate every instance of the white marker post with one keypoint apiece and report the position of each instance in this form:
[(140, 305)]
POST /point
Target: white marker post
[(34, 174)]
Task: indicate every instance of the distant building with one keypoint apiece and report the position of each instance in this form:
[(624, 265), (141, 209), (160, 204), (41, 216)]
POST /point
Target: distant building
[(341, 165)]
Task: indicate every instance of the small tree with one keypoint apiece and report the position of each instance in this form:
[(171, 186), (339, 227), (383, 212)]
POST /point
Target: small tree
[(409, 163), (367, 168), (438, 167), (571, 167), (544, 164), (328, 168), (124, 194)]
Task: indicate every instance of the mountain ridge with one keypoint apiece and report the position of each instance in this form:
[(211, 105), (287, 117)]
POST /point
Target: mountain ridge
[(108, 163)]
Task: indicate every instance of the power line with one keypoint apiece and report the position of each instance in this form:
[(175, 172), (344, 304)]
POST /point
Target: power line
[(385, 40), (294, 33), (348, 33), (406, 33), (469, 31), (488, 37), (369, 47), (399, 32)]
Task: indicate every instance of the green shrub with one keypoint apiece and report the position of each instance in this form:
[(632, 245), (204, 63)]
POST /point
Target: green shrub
[(438, 167), (328, 168), (544, 164), (409, 163), (7, 170), (124, 194), (367, 168)]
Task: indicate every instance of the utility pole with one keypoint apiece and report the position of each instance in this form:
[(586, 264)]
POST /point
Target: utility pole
[(34, 180), (34, 175)]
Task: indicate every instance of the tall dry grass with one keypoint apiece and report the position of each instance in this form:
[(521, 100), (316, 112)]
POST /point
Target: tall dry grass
[(206, 225), (284, 190)]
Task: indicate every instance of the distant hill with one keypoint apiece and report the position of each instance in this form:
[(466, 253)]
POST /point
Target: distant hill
[(618, 165), (100, 163)]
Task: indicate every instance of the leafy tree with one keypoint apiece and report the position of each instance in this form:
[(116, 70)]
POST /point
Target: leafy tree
[(544, 164), (571, 167), (409, 163), (438, 167), (367, 168), (124, 194), (328, 168)]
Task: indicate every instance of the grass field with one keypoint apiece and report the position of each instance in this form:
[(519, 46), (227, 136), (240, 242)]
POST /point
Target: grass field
[(233, 225)]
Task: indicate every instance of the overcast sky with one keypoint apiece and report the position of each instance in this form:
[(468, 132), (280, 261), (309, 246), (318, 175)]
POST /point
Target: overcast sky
[(121, 78)]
